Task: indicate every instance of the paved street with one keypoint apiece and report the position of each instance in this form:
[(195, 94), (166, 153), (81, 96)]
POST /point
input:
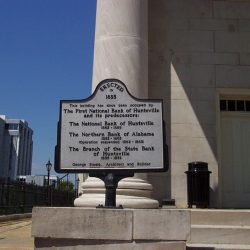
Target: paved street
[(16, 235)]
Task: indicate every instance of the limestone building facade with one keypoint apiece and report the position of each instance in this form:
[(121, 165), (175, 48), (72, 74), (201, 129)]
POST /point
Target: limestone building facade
[(16, 147), (199, 64), (195, 55)]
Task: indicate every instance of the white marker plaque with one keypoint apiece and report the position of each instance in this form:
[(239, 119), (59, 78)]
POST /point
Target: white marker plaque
[(110, 130)]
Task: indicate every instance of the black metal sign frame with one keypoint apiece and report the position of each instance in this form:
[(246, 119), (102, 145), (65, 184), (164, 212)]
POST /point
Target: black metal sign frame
[(104, 171), (110, 176)]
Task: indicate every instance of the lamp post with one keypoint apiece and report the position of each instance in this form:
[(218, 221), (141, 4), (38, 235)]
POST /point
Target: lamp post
[(48, 167), (77, 186)]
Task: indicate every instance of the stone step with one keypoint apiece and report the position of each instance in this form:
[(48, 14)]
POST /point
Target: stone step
[(217, 247), (220, 217), (220, 234)]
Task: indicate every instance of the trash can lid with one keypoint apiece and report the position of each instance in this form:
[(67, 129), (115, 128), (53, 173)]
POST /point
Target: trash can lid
[(198, 166)]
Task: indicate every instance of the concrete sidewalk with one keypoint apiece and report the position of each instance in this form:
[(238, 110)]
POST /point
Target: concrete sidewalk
[(16, 235)]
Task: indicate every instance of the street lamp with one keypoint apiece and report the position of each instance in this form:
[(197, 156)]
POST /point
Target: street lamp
[(48, 167), (77, 186)]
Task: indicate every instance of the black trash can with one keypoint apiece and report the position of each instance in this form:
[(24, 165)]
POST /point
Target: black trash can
[(198, 184)]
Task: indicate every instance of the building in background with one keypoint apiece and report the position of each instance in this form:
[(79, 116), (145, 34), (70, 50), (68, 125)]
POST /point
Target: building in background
[(16, 147), (39, 180)]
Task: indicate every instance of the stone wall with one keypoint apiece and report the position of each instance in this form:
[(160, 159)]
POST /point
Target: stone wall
[(196, 47), (129, 229)]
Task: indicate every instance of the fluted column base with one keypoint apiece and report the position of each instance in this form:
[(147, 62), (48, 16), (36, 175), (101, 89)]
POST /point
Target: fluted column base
[(131, 193)]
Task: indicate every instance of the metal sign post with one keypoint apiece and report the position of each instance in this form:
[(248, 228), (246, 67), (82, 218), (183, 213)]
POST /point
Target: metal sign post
[(111, 183)]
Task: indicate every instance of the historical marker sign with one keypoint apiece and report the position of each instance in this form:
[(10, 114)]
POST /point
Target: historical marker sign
[(110, 131)]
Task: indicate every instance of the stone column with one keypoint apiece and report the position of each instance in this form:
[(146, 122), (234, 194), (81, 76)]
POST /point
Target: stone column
[(121, 44), (121, 52)]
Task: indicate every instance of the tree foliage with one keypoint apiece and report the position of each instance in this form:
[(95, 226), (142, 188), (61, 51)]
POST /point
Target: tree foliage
[(65, 186)]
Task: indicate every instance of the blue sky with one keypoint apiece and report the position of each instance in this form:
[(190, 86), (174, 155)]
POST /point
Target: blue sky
[(46, 54)]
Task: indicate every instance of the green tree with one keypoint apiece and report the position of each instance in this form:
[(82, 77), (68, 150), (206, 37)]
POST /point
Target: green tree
[(65, 186)]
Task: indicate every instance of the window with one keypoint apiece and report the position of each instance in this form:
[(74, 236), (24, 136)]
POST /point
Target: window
[(223, 105), (231, 105), (12, 126), (235, 105)]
